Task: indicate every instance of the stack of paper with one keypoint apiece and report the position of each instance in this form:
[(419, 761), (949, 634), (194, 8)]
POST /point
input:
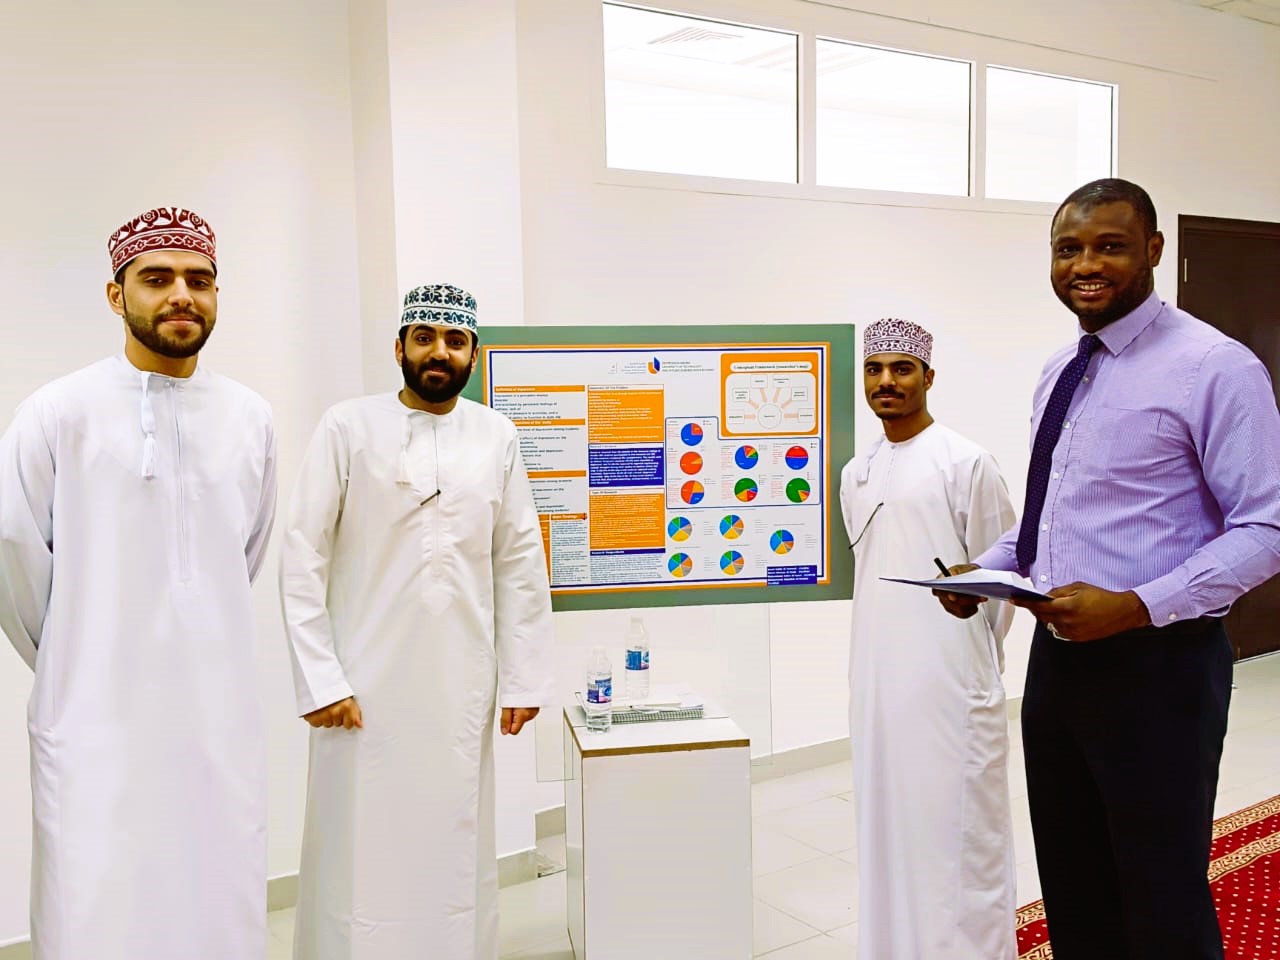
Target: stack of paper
[(663, 703), (981, 583)]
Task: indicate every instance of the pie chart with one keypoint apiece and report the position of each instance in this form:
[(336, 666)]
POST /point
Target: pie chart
[(692, 492), (679, 564), (731, 527), (691, 434), (731, 563), (746, 457), (782, 541), (691, 463), (746, 490), (798, 490), (797, 458), (679, 529)]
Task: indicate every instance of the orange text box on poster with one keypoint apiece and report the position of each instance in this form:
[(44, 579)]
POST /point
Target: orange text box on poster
[(544, 521), (627, 521), (624, 416), (797, 362)]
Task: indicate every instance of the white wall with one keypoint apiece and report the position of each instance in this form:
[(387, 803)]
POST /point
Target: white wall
[(241, 111), (1198, 102), (456, 174), (474, 159)]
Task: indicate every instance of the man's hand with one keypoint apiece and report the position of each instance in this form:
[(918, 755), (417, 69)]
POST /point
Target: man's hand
[(345, 713), (1082, 612), (513, 718), (960, 604)]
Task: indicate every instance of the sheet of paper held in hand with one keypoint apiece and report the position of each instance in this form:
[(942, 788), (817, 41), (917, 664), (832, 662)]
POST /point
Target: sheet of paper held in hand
[(981, 583)]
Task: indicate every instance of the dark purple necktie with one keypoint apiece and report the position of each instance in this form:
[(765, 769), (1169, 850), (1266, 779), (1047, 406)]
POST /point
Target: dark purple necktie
[(1055, 412)]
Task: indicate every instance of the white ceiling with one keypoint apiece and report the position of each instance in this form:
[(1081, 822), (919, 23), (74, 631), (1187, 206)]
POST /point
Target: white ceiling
[(1264, 11)]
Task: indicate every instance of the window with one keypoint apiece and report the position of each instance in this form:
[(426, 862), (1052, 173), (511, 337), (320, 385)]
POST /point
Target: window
[(892, 121), (1045, 135), (694, 96)]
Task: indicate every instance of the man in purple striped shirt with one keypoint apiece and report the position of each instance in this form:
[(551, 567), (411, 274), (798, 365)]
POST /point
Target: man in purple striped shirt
[(1153, 503)]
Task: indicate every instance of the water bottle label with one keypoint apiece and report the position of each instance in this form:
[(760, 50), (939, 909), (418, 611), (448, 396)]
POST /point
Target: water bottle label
[(600, 691), (637, 660)]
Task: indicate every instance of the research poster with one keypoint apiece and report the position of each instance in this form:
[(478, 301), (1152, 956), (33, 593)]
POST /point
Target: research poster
[(676, 466)]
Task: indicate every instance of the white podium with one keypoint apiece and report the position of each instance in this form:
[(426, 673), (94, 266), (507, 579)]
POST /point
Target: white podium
[(658, 840)]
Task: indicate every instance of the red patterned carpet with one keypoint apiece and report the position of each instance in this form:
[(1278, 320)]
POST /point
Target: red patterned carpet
[(1244, 874)]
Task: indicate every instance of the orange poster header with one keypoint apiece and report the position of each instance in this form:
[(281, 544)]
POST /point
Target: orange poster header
[(555, 388)]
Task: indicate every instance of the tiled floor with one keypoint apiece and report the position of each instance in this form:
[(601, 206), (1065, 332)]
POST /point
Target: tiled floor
[(805, 863)]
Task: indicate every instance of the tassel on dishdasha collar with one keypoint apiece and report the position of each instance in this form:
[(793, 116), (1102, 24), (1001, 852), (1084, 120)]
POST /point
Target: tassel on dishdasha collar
[(148, 423), (405, 436)]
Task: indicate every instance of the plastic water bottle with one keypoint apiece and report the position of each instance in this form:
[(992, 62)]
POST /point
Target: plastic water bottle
[(599, 708), (637, 660)]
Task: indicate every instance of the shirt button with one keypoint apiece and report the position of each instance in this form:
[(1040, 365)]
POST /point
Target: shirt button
[(1044, 526), (1055, 474), (1067, 425), (1086, 379), (1044, 578), (1173, 616)]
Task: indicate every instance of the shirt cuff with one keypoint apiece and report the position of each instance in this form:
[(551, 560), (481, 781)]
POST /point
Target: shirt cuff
[(1166, 599), (526, 697), (997, 558), (324, 698)]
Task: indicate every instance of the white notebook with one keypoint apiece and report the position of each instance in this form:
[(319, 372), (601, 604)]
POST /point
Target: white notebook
[(1002, 584)]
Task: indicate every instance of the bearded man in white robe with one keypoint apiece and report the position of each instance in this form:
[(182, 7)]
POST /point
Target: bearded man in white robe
[(927, 708), (136, 501), (416, 601)]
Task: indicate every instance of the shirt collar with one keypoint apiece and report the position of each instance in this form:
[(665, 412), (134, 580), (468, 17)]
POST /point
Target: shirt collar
[(1118, 335)]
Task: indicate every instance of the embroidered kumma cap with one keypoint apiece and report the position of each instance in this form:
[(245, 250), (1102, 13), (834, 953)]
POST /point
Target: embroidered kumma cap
[(897, 336), (439, 305), (164, 228)]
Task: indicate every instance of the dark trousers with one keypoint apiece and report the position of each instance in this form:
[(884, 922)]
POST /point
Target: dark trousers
[(1122, 738)]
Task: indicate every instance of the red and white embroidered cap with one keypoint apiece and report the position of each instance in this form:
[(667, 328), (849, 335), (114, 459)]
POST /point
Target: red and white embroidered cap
[(164, 228)]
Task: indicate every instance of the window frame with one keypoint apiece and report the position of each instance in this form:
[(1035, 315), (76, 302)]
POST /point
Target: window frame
[(973, 79), (806, 134), (1115, 113), (602, 135)]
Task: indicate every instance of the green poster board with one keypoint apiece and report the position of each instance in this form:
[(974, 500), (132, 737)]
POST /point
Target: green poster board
[(642, 350)]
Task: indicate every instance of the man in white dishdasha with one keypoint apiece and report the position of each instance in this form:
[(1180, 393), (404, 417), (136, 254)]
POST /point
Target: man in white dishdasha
[(136, 501), (416, 602), (927, 707)]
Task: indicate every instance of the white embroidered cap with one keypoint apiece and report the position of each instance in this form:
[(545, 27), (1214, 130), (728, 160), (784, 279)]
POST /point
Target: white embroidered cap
[(439, 305), (897, 336)]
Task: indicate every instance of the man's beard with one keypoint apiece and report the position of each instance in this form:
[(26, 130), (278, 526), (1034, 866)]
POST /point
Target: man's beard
[(1126, 301), (415, 379), (147, 332)]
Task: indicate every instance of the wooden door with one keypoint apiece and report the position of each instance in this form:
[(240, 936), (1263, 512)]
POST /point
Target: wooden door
[(1229, 276)]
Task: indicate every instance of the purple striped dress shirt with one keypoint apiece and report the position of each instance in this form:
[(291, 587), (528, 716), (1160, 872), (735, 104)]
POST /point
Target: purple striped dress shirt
[(1166, 480)]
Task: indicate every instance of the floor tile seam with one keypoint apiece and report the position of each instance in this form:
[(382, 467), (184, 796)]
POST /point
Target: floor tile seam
[(818, 855), (803, 843), (791, 916), (771, 953)]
